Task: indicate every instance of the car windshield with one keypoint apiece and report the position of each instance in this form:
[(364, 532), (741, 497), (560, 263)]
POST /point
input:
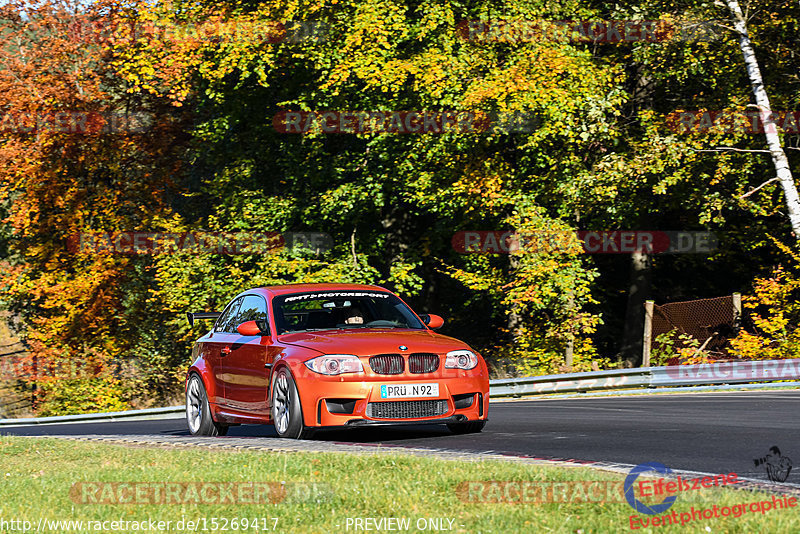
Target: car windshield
[(330, 310)]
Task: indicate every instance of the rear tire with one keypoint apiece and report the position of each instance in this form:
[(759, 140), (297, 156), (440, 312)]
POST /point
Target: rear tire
[(287, 414), (471, 427), (198, 412)]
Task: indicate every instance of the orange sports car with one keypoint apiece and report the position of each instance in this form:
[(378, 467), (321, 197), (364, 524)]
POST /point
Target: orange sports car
[(311, 356)]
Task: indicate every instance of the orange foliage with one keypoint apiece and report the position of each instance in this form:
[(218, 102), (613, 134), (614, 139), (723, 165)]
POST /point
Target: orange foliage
[(56, 184)]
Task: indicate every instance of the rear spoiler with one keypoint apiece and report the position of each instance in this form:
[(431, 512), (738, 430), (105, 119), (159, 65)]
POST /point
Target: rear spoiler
[(201, 315)]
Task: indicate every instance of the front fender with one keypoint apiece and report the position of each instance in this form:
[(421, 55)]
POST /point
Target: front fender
[(201, 368)]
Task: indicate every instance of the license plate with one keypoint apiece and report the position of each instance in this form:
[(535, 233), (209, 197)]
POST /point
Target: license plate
[(405, 391)]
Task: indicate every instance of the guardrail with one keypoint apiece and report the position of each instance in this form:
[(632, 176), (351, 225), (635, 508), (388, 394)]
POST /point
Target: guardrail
[(129, 415), (649, 377), (617, 379), (591, 381)]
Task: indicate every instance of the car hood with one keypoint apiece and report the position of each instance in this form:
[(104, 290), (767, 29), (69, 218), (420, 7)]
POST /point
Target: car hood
[(369, 342)]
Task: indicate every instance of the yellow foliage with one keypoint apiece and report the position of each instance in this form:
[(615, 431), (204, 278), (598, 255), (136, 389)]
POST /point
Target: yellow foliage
[(774, 311)]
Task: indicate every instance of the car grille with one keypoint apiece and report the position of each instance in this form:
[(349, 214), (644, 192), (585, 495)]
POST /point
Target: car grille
[(406, 409), (423, 362), (387, 364)]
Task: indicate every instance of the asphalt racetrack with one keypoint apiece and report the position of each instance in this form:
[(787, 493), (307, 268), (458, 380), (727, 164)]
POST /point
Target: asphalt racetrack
[(710, 432)]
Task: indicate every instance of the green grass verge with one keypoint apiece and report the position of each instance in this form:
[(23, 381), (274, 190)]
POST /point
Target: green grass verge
[(38, 474)]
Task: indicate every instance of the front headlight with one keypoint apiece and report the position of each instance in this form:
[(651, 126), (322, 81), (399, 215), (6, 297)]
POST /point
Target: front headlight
[(461, 359), (335, 364)]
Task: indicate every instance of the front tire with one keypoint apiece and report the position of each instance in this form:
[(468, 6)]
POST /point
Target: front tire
[(287, 414), (471, 427), (198, 412)]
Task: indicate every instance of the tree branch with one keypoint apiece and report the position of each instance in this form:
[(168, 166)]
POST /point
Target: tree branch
[(730, 149), (759, 187), (353, 248)]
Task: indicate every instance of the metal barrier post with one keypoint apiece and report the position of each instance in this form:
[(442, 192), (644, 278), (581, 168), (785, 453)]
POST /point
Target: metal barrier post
[(648, 332)]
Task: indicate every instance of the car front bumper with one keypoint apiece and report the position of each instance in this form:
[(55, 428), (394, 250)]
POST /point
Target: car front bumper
[(347, 402)]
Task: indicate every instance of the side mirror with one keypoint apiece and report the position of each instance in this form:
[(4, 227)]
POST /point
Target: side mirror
[(252, 328), (433, 321)]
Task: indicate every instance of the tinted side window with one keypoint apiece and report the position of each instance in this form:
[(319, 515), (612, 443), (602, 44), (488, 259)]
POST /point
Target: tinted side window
[(254, 308), (228, 317)]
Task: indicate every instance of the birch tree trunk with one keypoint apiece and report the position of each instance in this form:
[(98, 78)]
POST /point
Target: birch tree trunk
[(779, 159)]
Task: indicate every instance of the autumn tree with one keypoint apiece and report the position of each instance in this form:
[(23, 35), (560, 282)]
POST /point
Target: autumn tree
[(74, 161)]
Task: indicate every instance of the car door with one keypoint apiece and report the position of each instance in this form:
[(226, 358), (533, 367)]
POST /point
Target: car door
[(218, 347), (245, 366)]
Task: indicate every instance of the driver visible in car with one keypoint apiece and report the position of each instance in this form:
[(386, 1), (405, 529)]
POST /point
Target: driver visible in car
[(353, 316)]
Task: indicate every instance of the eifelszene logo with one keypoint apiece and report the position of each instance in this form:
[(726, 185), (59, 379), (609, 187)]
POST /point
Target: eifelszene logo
[(630, 482)]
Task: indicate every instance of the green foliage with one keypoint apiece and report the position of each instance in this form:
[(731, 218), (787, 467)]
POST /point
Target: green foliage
[(544, 357), (82, 395), (683, 348), (664, 348)]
